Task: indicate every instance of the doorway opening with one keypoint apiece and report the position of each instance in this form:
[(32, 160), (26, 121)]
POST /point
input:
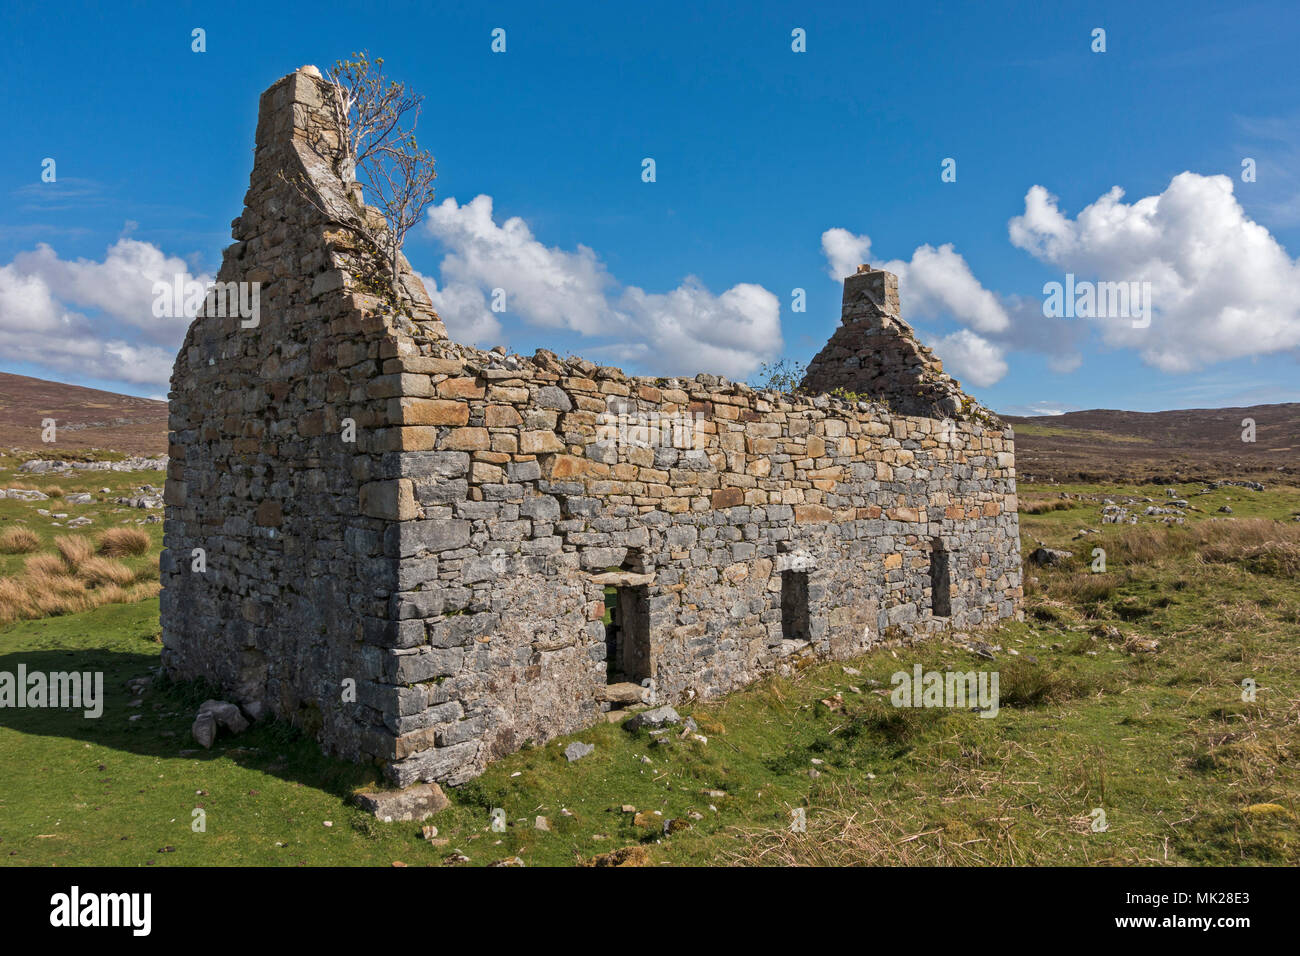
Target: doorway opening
[(627, 634)]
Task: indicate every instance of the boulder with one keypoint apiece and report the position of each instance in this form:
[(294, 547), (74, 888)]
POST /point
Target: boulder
[(658, 717), (204, 729), (1049, 556), (415, 803), (625, 693), (226, 714)]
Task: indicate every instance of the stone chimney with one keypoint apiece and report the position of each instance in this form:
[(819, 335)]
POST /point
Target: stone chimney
[(876, 355), (870, 292)]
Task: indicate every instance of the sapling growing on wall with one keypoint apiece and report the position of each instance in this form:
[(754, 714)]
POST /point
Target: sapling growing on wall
[(783, 376), (376, 148)]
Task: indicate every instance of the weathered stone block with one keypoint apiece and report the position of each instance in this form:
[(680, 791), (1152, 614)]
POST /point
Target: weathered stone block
[(539, 442), (432, 411), (412, 804), (394, 500)]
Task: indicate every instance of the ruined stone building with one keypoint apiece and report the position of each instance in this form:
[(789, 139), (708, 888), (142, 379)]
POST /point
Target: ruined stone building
[(410, 547)]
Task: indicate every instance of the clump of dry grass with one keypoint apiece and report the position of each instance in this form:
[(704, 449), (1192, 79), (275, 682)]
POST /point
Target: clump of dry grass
[(623, 856), (1041, 506), (119, 542), (19, 540), (14, 601), (44, 564), (1083, 588), (847, 827), (1277, 558), (74, 549), (1023, 684), (53, 491), (1262, 545), (46, 593), (97, 572), (74, 579), (43, 592)]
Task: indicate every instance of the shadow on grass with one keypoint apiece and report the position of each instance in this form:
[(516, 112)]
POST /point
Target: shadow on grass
[(162, 721)]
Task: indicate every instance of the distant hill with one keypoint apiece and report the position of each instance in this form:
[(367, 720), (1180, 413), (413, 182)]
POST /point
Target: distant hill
[(1188, 444), (86, 418)]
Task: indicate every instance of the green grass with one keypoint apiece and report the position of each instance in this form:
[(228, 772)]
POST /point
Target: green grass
[(103, 511), (1162, 742)]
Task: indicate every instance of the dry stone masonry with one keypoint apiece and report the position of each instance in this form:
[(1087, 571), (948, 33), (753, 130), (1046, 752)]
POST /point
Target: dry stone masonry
[(430, 555)]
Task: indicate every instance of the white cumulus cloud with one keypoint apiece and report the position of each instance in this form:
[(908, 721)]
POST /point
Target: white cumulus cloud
[(42, 323), (1222, 287), (684, 331), (121, 286), (971, 358)]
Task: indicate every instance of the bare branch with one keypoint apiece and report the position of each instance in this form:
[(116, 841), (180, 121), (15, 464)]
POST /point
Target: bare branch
[(376, 119)]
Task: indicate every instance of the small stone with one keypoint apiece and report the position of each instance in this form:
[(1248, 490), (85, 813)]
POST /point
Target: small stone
[(226, 715), (1049, 557), (658, 717), (577, 750)]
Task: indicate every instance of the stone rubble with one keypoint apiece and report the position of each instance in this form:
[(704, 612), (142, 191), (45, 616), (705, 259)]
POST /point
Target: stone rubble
[(40, 466)]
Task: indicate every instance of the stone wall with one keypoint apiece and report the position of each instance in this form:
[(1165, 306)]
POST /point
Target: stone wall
[(453, 560), (260, 480)]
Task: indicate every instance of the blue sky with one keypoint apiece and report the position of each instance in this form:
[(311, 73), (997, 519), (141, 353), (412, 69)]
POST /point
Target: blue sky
[(772, 167)]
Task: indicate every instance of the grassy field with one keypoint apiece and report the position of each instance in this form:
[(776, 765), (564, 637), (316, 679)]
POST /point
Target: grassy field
[(1120, 692), (1047, 431), (49, 566)]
